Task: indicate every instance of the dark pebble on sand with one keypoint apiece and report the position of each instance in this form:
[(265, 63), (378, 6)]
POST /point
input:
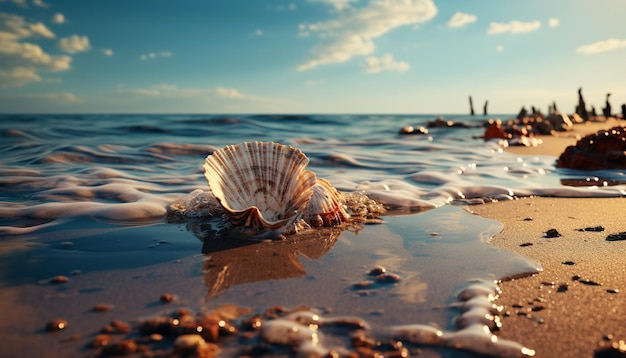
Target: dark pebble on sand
[(562, 287), (388, 278), (59, 279), (378, 270), (552, 233), (593, 228), (575, 277), (166, 298), (612, 290), (590, 282), (56, 325), (526, 244), (362, 285), (528, 219), (569, 263), (617, 237)]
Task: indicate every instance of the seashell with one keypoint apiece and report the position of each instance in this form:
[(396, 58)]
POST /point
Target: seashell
[(261, 185), (325, 208)]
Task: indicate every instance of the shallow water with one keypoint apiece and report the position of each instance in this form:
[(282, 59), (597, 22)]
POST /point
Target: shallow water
[(90, 193)]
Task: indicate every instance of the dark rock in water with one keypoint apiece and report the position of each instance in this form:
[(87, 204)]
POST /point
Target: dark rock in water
[(552, 233), (617, 237), (413, 130), (602, 150), (56, 325)]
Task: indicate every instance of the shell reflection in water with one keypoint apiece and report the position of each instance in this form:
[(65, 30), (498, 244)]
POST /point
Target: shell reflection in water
[(264, 187)]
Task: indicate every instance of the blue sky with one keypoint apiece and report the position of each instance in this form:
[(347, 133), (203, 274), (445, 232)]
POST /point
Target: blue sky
[(309, 56)]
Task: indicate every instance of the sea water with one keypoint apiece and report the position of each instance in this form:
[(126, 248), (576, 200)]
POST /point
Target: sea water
[(89, 194)]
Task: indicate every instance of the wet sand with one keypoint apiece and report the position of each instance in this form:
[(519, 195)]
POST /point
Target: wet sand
[(576, 307)]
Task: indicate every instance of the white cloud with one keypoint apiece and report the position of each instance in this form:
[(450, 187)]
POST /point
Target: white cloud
[(40, 3), (461, 19), (74, 44), (385, 63), (602, 46), (153, 55), (64, 97), (514, 27), (58, 18), (354, 30), (107, 52), (337, 4), (553, 22), (20, 61)]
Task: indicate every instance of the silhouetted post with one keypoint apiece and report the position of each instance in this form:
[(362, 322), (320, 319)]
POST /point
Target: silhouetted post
[(554, 106), (623, 111), (471, 106), (593, 111), (485, 108), (581, 109), (607, 109)]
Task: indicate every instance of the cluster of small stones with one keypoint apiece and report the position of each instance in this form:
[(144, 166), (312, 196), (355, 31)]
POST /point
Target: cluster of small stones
[(605, 149)]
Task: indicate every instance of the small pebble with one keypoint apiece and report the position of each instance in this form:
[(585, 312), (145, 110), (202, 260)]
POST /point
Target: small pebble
[(617, 237), (575, 277), (552, 233), (562, 287), (56, 325), (593, 228), (589, 282), (569, 263), (388, 278), (102, 307), (188, 342), (526, 244), (121, 348), (528, 219), (362, 285), (100, 341), (167, 298), (612, 290), (378, 270), (59, 279)]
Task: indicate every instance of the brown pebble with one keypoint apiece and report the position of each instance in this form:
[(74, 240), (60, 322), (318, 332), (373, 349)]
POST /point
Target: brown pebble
[(166, 298), (102, 307), (548, 283), (575, 277), (562, 287), (188, 342), (120, 348), (100, 341), (59, 279), (612, 290), (552, 233), (56, 325), (116, 327), (362, 285), (538, 308), (528, 219), (388, 278), (377, 271)]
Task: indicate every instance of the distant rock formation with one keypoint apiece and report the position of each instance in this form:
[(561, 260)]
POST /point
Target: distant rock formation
[(581, 108), (607, 109)]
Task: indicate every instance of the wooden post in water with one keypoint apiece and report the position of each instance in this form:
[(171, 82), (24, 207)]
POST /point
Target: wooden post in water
[(471, 106)]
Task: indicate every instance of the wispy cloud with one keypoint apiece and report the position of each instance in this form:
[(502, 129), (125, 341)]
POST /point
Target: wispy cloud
[(107, 52), (461, 19), (385, 63), (40, 3), (337, 4), (166, 90), (353, 31), (500, 48), (58, 18), (74, 44), (20, 61), (602, 46), (154, 55), (513, 27), (553, 22)]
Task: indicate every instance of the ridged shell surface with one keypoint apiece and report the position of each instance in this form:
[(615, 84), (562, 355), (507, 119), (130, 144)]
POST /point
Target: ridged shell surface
[(325, 208), (261, 185)]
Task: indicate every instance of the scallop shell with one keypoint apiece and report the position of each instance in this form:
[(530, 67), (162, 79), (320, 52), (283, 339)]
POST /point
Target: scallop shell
[(261, 185), (325, 208)]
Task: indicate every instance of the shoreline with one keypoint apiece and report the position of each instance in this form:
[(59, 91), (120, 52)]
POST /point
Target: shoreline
[(576, 307)]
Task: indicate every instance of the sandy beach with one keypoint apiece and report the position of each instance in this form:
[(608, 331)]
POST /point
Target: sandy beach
[(576, 307)]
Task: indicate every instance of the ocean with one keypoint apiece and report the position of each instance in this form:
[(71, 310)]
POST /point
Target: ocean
[(86, 197)]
